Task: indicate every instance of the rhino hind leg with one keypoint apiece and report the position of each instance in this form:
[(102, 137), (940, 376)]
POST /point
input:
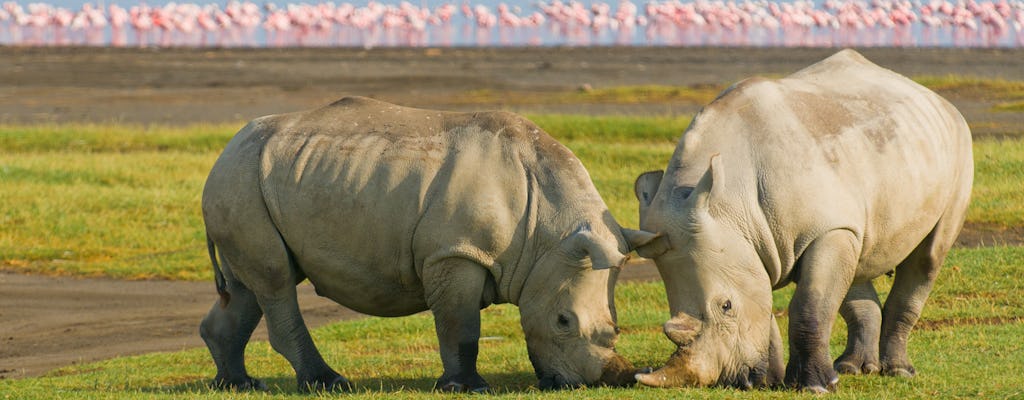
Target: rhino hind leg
[(290, 337), (863, 315), (258, 258), (914, 279), (454, 289), (226, 331)]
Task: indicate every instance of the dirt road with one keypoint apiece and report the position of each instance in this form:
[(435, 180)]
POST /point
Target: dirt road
[(49, 322)]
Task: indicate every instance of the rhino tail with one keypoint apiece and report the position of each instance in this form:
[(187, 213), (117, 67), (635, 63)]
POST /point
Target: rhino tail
[(218, 275)]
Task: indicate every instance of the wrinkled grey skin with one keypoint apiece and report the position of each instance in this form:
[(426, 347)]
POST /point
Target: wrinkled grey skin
[(828, 178), (391, 211)]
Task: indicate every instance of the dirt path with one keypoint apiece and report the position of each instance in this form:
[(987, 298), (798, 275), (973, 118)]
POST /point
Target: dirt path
[(47, 323)]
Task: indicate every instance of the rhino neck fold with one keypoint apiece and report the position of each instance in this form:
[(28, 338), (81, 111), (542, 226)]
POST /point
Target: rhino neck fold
[(512, 280)]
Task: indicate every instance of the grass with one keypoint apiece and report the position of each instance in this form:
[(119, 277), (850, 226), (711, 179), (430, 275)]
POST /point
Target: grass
[(643, 94), (1010, 106), (1010, 93), (973, 87), (123, 201), (997, 197), (968, 346)]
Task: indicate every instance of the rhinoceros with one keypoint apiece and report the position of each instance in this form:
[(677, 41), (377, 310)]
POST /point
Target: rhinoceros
[(392, 211), (827, 178)]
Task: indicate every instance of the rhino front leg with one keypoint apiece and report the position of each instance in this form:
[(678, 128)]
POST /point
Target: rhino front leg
[(455, 294), (826, 271), (863, 315), (226, 331)]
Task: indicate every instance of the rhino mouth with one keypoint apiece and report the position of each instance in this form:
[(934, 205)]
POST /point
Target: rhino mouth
[(747, 378), (549, 380)]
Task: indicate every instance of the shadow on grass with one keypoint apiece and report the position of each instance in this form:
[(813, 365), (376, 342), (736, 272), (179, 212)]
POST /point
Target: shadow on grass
[(506, 382)]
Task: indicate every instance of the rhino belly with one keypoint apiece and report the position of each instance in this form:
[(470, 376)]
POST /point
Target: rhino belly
[(348, 217)]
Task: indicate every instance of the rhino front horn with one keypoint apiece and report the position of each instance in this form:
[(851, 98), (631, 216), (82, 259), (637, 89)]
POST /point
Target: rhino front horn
[(675, 373), (667, 376), (654, 379)]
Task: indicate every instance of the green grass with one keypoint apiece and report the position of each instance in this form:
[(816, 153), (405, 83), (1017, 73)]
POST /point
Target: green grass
[(998, 194), (951, 86), (644, 94), (102, 138), (968, 346), (973, 87), (1010, 106), (123, 201)]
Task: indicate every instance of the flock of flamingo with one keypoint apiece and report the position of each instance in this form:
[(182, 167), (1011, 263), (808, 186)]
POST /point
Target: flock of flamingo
[(967, 23)]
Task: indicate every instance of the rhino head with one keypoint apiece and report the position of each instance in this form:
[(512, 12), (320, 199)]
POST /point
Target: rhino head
[(567, 312), (718, 289)]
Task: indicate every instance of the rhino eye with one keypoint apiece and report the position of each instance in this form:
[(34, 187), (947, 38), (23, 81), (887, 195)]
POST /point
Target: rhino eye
[(563, 321), (727, 306)]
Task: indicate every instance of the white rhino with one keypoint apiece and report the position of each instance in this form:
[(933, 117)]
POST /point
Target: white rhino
[(828, 178), (391, 211)]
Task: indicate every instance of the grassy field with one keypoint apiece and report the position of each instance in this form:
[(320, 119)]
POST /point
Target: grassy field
[(967, 346), (123, 201)]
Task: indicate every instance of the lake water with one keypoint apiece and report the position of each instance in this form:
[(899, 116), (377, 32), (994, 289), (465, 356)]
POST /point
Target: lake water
[(705, 23)]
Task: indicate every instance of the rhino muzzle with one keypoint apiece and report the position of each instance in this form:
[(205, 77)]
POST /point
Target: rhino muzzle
[(682, 371), (617, 372), (686, 368)]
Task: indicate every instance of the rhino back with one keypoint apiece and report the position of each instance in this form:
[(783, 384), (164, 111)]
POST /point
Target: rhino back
[(844, 144), (365, 193)]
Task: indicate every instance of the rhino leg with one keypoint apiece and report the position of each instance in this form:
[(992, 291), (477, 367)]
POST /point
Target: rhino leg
[(915, 277), (455, 291), (826, 271), (289, 336), (863, 315), (226, 331)]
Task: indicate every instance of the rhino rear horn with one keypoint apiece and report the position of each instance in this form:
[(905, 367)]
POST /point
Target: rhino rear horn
[(682, 329)]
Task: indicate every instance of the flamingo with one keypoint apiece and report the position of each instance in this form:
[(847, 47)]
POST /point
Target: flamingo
[(721, 21)]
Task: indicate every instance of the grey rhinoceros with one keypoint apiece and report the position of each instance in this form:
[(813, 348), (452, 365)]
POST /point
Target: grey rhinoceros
[(391, 211), (827, 178)]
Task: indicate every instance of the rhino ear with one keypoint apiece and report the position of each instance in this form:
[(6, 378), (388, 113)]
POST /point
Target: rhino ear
[(601, 256), (645, 187), (646, 244), (706, 188)]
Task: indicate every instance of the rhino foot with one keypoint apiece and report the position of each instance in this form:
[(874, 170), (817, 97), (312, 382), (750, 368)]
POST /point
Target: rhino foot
[(242, 385), (902, 371), (336, 383), (822, 380), (470, 384), (816, 390), (853, 366)]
